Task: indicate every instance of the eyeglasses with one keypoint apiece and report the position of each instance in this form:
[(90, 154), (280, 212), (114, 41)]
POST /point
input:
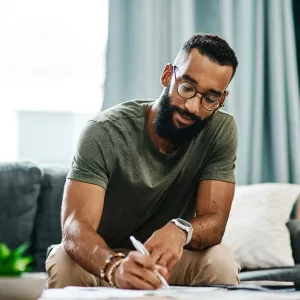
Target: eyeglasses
[(187, 90)]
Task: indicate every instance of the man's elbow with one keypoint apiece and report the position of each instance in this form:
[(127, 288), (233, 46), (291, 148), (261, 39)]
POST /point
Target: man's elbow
[(70, 237), (202, 242)]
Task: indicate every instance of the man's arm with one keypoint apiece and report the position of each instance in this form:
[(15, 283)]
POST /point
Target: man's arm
[(80, 217), (81, 213), (214, 199)]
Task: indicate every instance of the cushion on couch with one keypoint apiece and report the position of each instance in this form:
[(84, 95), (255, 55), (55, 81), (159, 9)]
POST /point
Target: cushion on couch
[(47, 229), (256, 230), (294, 228), (19, 190), (279, 274)]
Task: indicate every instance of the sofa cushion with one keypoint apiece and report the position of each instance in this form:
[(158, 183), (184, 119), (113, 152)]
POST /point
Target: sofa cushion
[(19, 190), (294, 228), (47, 230), (256, 230), (278, 274)]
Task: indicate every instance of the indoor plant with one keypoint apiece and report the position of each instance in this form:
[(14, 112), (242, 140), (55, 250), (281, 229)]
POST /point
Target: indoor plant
[(14, 263), (16, 281)]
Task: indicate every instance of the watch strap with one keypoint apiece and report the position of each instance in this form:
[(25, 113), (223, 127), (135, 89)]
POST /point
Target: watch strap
[(188, 228)]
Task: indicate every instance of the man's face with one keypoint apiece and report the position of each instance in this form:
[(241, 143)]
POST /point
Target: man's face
[(179, 119)]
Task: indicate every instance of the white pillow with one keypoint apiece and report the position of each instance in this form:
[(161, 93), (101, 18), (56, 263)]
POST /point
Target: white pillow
[(256, 230)]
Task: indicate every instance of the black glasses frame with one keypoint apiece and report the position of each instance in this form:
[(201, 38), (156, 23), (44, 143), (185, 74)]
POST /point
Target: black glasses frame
[(196, 92)]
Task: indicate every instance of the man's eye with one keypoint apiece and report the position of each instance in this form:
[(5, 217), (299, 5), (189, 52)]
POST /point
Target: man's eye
[(210, 99), (187, 88)]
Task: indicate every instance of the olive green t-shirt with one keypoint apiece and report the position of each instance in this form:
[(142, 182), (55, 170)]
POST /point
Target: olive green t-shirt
[(145, 188)]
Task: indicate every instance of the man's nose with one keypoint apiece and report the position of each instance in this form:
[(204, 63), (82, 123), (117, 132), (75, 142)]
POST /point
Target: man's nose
[(193, 105)]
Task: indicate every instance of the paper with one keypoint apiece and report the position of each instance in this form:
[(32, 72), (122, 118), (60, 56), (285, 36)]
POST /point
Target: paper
[(180, 293), (82, 293)]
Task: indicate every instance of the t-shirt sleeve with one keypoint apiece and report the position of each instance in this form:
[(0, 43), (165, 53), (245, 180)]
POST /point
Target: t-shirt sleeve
[(93, 156), (220, 164)]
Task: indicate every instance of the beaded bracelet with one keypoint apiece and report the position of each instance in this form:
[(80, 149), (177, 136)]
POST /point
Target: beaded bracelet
[(107, 262), (111, 271)]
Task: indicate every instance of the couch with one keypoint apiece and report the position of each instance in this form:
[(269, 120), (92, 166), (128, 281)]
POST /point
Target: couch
[(30, 202)]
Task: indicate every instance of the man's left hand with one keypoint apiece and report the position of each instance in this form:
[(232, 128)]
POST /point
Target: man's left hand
[(166, 246)]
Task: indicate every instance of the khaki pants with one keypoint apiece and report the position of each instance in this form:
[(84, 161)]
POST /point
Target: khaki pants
[(215, 265)]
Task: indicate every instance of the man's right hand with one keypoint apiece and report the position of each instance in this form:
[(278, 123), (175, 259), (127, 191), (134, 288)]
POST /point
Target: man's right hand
[(136, 272)]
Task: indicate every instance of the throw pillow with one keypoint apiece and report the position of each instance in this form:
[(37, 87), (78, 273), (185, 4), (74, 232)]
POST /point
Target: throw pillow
[(256, 230)]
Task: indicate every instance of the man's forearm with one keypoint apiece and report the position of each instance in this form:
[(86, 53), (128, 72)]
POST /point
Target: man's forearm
[(85, 246), (208, 231)]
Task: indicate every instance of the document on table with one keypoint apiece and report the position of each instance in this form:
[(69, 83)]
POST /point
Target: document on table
[(82, 293), (179, 293)]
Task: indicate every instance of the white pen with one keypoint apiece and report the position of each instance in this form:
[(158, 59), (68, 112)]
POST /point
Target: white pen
[(142, 249)]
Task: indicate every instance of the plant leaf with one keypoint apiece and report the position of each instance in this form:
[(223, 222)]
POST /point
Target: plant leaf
[(13, 263), (18, 252), (21, 263), (4, 251)]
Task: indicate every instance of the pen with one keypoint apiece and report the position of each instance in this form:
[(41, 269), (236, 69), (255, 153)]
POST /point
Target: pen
[(142, 249)]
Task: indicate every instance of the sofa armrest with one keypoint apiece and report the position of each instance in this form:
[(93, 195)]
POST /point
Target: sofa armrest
[(294, 228)]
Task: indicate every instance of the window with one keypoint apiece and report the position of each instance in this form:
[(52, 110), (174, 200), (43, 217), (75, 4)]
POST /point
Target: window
[(52, 59)]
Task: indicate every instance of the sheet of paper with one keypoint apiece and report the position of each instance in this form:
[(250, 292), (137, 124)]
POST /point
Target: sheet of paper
[(82, 293), (180, 293), (89, 293)]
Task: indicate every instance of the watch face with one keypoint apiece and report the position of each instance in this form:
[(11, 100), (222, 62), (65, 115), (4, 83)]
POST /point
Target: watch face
[(184, 223)]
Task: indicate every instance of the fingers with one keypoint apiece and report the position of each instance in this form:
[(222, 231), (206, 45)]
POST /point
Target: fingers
[(143, 260), (172, 264), (168, 260), (162, 270), (137, 271), (148, 246), (164, 260), (135, 282), (155, 255), (146, 275)]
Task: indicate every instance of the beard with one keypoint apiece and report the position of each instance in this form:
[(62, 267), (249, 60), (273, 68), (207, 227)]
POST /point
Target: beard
[(164, 125)]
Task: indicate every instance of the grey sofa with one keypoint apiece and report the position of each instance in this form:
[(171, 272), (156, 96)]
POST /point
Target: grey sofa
[(30, 201)]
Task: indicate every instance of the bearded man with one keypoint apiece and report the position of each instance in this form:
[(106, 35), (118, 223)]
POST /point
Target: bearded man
[(161, 171)]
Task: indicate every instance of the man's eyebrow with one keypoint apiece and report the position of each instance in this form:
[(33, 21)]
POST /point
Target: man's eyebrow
[(218, 93), (191, 79)]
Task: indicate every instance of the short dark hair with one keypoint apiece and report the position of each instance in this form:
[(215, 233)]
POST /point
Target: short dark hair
[(212, 46)]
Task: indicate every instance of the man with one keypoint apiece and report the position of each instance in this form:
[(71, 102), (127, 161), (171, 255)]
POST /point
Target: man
[(142, 164)]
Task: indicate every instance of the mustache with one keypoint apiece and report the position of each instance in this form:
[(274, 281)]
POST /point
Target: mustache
[(186, 113)]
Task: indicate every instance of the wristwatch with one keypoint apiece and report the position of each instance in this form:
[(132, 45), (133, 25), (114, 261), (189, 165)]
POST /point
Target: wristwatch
[(186, 226)]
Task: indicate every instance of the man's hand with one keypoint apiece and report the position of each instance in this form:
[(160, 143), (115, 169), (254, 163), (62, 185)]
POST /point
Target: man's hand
[(166, 246), (136, 272)]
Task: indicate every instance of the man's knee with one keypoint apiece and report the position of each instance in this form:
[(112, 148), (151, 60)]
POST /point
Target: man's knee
[(64, 271), (220, 267)]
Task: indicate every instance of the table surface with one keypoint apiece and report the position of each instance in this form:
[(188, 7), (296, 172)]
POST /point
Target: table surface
[(183, 293)]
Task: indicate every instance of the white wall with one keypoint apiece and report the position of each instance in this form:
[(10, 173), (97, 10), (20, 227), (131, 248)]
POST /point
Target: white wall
[(49, 137)]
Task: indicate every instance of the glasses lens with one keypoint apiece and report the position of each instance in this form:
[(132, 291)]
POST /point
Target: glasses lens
[(210, 102), (186, 90)]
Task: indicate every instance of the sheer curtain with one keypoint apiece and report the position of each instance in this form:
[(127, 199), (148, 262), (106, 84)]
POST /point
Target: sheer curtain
[(265, 93)]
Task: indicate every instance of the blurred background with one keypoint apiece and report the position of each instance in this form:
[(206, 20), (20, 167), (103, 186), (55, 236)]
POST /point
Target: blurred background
[(63, 61)]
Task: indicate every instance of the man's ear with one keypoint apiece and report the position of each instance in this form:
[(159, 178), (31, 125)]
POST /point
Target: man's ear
[(166, 75), (223, 97), (222, 100)]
